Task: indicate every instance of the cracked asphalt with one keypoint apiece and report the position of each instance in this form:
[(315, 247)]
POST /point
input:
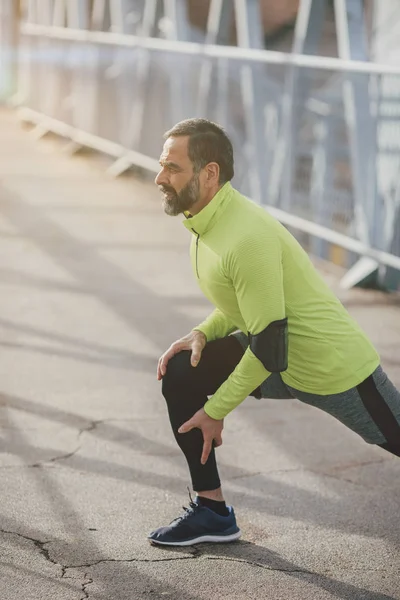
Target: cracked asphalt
[(95, 283)]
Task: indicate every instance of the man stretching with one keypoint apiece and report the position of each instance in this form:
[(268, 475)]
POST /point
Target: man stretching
[(277, 330)]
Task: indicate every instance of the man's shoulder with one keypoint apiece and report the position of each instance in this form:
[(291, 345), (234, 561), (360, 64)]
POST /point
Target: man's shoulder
[(245, 207), (245, 219)]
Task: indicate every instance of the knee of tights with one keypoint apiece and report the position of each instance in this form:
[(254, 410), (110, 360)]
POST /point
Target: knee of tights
[(179, 374)]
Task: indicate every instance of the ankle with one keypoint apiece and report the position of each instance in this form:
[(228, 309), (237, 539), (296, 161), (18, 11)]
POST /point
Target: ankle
[(212, 495), (217, 506)]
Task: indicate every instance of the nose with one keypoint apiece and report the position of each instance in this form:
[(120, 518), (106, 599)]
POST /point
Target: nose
[(160, 178)]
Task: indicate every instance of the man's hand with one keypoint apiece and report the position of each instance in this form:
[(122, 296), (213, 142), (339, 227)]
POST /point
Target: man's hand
[(210, 428), (194, 341)]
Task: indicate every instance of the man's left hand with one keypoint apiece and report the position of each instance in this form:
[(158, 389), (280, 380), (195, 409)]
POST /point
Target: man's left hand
[(210, 428)]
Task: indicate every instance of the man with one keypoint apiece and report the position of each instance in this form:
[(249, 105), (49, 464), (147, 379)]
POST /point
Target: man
[(277, 330)]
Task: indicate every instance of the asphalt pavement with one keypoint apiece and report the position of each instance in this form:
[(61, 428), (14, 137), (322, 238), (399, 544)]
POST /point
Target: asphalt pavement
[(95, 283)]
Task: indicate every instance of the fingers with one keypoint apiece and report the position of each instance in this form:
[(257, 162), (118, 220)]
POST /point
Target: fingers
[(196, 353), (206, 450), (186, 427), (174, 349), (197, 348), (163, 362), (195, 342), (207, 439), (165, 358), (218, 441), (159, 376)]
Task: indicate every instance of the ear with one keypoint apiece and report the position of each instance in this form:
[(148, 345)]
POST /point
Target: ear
[(212, 174)]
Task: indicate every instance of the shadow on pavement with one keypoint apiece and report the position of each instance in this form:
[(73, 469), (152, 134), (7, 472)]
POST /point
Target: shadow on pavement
[(265, 494), (256, 555), (154, 316)]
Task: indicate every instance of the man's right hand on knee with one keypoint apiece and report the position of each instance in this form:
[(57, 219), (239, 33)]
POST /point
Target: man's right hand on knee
[(194, 342)]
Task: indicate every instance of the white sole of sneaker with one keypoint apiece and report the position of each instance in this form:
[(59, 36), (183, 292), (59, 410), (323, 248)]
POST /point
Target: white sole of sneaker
[(216, 539)]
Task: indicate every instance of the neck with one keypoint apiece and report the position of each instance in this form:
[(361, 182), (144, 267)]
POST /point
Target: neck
[(202, 203)]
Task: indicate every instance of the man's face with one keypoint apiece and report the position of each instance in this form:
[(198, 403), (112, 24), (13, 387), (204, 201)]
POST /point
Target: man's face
[(177, 181)]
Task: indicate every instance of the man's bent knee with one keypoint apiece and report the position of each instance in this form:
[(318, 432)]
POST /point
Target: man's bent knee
[(179, 374)]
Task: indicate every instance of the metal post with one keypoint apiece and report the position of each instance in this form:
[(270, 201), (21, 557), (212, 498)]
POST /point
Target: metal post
[(388, 277), (250, 35), (100, 14), (352, 44), (321, 181), (307, 35), (175, 12), (131, 137), (8, 62), (59, 13), (78, 12), (42, 70), (388, 168), (218, 29), (121, 69), (53, 71), (392, 276), (98, 20), (32, 16), (44, 11)]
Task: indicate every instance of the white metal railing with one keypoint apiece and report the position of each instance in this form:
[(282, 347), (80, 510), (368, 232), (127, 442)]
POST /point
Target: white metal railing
[(118, 92), (7, 59), (269, 57)]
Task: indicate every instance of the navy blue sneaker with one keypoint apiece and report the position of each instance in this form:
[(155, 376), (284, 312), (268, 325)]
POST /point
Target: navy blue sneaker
[(197, 524)]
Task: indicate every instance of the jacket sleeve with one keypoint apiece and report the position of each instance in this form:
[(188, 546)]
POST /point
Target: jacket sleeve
[(254, 268), (216, 326)]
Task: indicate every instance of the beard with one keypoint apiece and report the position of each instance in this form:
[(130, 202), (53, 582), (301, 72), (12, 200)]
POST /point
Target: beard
[(175, 203)]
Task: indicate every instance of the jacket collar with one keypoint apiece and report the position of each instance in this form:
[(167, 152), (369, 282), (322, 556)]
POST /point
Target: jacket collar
[(206, 218)]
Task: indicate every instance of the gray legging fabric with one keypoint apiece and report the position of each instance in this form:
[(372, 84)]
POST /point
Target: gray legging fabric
[(371, 409)]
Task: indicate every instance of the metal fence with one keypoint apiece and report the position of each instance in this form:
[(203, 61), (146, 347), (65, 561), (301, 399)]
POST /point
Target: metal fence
[(7, 56), (317, 140)]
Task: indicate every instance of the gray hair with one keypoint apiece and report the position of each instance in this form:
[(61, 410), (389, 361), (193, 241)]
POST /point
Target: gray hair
[(208, 142)]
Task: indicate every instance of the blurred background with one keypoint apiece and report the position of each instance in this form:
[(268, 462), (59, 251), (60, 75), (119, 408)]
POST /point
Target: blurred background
[(308, 90)]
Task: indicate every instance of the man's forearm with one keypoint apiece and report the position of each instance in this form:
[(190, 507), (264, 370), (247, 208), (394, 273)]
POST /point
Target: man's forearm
[(247, 376)]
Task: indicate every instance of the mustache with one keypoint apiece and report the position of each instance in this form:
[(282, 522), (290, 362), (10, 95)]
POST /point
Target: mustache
[(166, 188)]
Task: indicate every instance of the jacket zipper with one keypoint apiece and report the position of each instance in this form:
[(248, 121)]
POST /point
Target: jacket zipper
[(197, 252)]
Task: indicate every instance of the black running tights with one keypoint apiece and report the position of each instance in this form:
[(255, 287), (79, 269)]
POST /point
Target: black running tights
[(186, 390)]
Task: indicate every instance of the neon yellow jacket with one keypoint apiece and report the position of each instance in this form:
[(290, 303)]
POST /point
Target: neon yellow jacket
[(254, 272)]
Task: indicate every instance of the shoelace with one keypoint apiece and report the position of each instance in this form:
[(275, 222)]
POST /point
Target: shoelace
[(189, 510)]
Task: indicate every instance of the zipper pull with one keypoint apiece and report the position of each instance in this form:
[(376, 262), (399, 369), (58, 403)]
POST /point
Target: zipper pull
[(197, 252)]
